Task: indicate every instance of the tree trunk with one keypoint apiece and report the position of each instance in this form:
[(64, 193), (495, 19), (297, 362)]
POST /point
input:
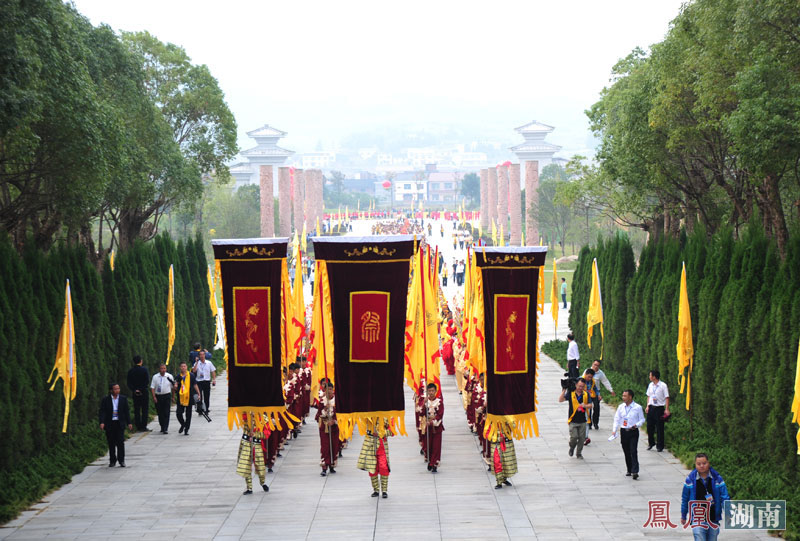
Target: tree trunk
[(130, 226), (777, 217)]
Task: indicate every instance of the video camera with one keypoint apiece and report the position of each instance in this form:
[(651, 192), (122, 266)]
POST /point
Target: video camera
[(201, 407), (568, 382)]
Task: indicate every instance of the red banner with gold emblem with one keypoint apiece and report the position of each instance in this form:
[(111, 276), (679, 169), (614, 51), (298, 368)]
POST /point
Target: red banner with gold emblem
[(251, 272), (511, 299), (366, 281), (369, 326)]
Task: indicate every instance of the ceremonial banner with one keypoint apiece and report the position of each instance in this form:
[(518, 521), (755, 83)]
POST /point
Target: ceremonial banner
[(252, 272), (366, 284), (512, 295)]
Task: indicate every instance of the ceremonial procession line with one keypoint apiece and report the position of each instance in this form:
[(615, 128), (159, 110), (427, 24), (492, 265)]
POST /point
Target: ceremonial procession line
[(179, 487)]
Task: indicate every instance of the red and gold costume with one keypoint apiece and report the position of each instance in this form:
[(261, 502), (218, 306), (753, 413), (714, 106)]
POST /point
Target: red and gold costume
[(328, 434), (433, 428)]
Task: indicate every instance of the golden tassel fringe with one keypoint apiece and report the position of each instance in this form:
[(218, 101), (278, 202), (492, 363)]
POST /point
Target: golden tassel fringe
[(366, 420), (264, 416)]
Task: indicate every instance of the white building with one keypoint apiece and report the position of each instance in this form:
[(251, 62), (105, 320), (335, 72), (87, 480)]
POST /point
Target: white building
[(266, 152), (317, 160)]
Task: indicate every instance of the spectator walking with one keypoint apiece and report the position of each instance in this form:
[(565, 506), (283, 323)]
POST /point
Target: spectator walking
[(114, 416), (627, 420), (573, 356), (564, 291), (161, 388), (578, 418), (186, 386), (195, 353), (138, 380), (703, 484), (206, 375), (657, 408)]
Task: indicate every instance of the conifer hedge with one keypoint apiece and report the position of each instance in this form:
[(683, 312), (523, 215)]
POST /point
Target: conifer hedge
[(117, 315), (745, 307)]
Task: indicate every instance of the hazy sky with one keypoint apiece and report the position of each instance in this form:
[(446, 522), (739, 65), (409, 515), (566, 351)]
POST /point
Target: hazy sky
[(321, 70)]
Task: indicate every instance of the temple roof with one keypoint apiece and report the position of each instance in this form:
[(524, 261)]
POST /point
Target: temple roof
[(538, 146), (266, 131), (267, 151), (535, 127)]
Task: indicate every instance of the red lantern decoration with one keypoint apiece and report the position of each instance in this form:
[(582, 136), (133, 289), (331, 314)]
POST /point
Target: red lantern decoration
[(386, 184)]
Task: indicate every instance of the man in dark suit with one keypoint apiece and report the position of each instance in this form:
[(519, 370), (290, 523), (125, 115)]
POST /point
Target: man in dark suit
[(138, 383), (114, 416)]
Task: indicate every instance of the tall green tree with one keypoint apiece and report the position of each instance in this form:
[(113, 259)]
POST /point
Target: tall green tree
[(471, 189)]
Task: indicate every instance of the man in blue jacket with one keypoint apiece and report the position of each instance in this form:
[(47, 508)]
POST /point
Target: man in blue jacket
[(704, 484)]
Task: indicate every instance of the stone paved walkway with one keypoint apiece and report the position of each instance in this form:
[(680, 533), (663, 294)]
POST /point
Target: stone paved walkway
[(179, 487)]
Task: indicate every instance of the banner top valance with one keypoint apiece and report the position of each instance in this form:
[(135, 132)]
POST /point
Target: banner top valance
[(372, 248), (510, 256), (273, 248)]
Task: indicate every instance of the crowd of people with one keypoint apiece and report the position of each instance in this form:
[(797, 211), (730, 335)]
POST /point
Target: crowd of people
[(262, 442)]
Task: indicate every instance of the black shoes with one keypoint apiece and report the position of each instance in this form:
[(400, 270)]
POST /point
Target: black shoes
[(375, 494), (340, 454), (579, 456), (660, 450), (385, 495), (323, 473), (180, 431), (649, 447), (112, 464), (571, 451), (507, 483), (265, 487), (635, 475), (332, 470), (628, 474), (434, 469), (269, 470), (121, 464), (247, 492), (430, 467), (498, 486), (186, 433)]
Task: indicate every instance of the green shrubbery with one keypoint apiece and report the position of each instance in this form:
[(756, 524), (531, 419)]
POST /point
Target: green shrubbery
[(117, 315), (745, 304)]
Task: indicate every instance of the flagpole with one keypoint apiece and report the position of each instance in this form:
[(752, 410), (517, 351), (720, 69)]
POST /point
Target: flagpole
[(425, 353), (318, 284)]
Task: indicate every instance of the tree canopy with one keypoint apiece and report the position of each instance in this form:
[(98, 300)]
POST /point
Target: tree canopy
[(100, 133), (706, 126)]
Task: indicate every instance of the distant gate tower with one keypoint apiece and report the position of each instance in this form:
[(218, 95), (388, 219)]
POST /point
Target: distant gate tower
[(535, 152)]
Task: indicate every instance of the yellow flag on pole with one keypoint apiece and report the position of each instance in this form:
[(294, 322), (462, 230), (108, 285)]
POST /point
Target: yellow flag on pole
[(111, 260), (502, 236), (685, 346), (212, 301), (304, 240), (494, 233), (297, 324), (64, 366), (554, 296), (319, 232), (170, 313), (595, 313), (796, 400)]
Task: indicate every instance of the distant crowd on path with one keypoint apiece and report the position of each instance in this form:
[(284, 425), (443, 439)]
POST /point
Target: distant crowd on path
[(191, 390), (401, 226)]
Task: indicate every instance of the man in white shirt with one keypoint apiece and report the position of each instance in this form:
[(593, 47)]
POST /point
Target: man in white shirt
[(161, 388), (599, 377), (657, 407), (573, 356), (628, 419), (206, 375)]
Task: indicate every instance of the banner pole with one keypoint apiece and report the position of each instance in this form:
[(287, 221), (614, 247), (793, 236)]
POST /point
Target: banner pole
[(318, 284), (425, 352)]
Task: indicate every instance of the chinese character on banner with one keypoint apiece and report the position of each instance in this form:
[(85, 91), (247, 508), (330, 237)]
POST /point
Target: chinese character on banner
[(699, 511), (769, 516), (658, 515)]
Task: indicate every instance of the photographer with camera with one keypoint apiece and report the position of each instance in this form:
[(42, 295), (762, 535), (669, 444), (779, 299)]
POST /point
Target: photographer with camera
[(599, 377), (186, 386), (206, 374), (580, 407)]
